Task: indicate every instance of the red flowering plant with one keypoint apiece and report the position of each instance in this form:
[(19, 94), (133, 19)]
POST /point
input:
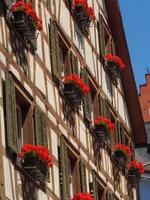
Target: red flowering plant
[(105, 122), (135, 165), (79, 83), (116, 59), (33, 153), (123, 148), (20, 6), (82, 196), (83, 5), (121, 154)]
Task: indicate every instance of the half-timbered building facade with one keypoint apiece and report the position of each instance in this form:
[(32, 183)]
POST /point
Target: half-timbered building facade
[(35, 110)]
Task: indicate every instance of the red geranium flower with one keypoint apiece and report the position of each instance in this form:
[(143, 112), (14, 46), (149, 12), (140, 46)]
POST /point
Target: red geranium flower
[(105, 121), (79, 82), (27, 8), (116, 59), (82, 196), (123, 148), (89, 10), (136, 165), (36, 150)]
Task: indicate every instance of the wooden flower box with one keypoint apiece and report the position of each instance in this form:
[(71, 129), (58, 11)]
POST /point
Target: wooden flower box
[(101, 132), (37, 168), (114, 69), (120, 158), (82, 16), (24, 24), (133, 175), (73, 93)]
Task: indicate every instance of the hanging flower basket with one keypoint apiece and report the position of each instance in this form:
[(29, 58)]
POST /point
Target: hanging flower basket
[(102, 128), (82, 196), (75, 89), (36, 160), (121, 154), (114, 65), (25, 20), (84, 14), (135, 169)]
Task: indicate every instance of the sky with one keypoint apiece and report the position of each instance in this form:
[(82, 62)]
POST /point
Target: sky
[(136, 19)]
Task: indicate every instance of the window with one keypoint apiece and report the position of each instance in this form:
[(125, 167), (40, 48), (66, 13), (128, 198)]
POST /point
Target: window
[(24, 120), (63, 61), (72, 174), (96, 188), (94, 99), (19, 118)]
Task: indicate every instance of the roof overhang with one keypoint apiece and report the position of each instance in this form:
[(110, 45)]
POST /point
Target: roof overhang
[(128, 81)]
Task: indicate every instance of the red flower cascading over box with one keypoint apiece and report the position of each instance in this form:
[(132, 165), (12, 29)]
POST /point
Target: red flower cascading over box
[(83, 12), (135, 169), (82, 196), (25, 19), (75, 89), (115, 65), (36, 160), (121, 154), (103, 126)]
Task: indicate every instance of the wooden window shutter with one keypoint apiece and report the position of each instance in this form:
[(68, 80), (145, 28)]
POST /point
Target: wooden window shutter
[(95, 106), (94, 187), (87, 99), (101, 34), (74, 63), (121, 134), (63, 170), (40, 127), (83, 180), (11, 115), (54, 49), (104, 111), (109, 195), (48, 3)]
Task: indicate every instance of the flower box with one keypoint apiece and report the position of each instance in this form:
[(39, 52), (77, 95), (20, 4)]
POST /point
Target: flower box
[(135, 169), (75, 89), (36, 168), (114, 65), (36, 160), (102, 128), (84, 14), (82, 196), (25, 20), (121, 154)]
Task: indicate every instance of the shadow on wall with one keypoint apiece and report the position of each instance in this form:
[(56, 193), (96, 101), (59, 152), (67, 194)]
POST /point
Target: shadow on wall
[(19, 51)]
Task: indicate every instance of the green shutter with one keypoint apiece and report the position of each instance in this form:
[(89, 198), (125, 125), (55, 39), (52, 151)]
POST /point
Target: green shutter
[(94, 192), (87, 101), (40, 127), (104, 111), (83, 180), (54, 49), (48, 3), (11, 115), (121, 133), (109, 195), (74, 63), (113, 51), (64, 170), (101, 34)]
